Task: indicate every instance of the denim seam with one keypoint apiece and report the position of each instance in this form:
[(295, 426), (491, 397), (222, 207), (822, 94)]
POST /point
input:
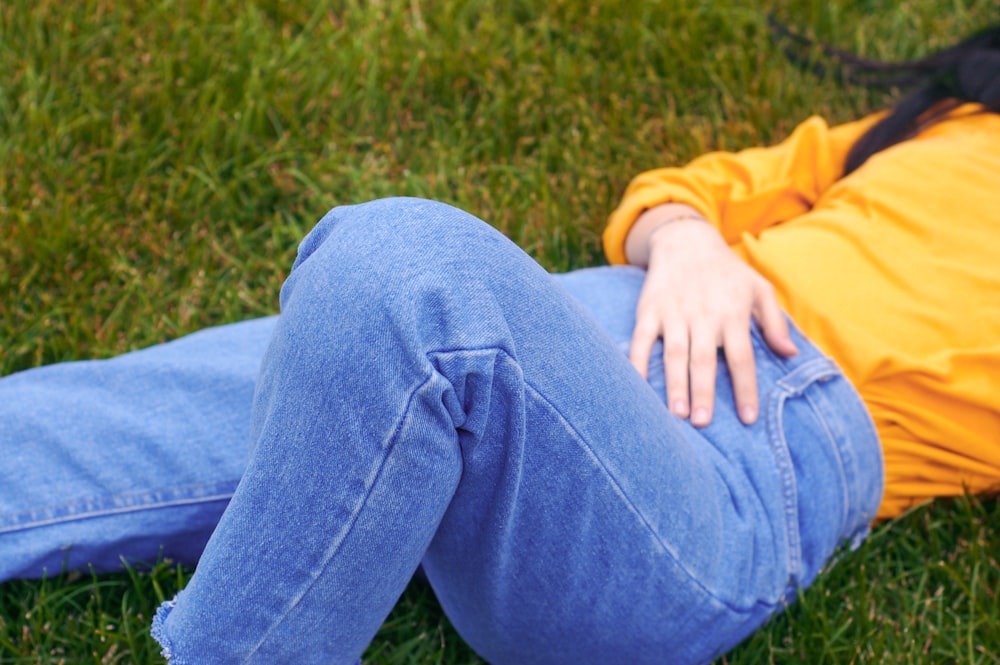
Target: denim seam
[(782, 458), (835, 441), (348, 528), (632, 508), (138, 503), (795, 384)]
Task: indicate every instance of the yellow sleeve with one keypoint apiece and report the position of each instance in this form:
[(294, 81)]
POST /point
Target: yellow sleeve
[(743, 192)]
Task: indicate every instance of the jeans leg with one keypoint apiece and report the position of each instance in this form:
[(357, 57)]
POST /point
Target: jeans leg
[(134, 457), (431, 394)]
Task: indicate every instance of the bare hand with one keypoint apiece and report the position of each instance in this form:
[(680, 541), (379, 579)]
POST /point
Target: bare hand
[(699, 297)]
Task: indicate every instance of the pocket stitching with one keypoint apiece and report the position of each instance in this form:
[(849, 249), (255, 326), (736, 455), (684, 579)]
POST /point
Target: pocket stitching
[(794, 384)]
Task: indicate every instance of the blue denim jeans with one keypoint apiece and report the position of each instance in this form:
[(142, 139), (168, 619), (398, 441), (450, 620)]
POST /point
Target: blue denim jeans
[(429, 395)]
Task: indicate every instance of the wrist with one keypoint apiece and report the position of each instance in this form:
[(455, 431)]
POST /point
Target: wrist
[(674, 221), (651, 222)]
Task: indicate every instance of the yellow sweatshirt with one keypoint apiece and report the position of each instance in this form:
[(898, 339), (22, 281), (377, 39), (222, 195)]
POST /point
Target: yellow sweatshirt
[(894, 271)]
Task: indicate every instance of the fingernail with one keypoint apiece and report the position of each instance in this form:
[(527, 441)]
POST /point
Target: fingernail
[(680, 408), (700, 416), (749, 414)]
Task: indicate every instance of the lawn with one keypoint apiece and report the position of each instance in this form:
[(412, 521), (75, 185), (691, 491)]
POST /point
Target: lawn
[(159, 162)]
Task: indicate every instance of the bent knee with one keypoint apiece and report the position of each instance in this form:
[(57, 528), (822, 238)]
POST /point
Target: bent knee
[(394, 242), (392, 225)]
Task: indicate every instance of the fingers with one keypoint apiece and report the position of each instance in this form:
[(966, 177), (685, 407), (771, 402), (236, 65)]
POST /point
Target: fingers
[(742, 374), (703, 364), (643, 337), (690, 363), (772, 323), (675, 360), (676, 348), (699, 297)]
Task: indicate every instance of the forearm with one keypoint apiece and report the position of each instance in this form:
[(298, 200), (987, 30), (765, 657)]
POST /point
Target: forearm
[(743, 192)]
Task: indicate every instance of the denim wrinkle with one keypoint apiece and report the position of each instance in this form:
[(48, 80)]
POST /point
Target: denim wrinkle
[(338, 539), (692, 578), (118, 505)]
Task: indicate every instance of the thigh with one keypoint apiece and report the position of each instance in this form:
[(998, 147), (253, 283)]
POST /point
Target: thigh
[(135, 456), (628, 536), (634, 537)]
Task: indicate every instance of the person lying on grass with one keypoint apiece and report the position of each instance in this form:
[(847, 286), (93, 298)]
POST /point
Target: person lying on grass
[(628, 464)]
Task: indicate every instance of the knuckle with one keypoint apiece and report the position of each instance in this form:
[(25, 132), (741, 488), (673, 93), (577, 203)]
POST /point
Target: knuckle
[(745, 386), (647, 326), (675, 349), (703, 358), (677, 391), (742, 370), (739, 355), (702, 366)]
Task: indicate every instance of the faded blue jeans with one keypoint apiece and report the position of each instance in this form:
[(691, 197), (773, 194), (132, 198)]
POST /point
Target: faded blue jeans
[(430, 395)]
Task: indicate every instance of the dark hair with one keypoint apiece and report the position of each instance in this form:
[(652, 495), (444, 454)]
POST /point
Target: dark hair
[(968, 71)]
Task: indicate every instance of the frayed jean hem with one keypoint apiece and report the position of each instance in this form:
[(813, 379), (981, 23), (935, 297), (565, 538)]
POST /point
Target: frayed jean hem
[(159, 632)]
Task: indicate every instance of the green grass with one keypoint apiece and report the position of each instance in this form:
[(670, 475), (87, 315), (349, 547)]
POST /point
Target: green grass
[(159, 162)]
